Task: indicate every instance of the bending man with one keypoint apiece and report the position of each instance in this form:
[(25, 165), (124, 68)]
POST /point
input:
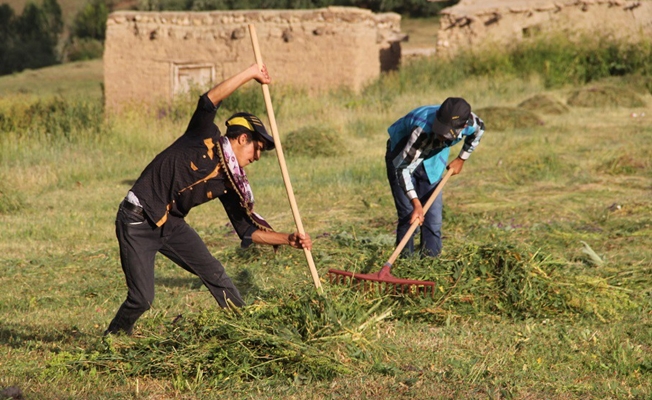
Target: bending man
[(199, 166), (416, 157)]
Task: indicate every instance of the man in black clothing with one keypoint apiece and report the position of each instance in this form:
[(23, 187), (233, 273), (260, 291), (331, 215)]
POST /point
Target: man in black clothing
[(199, 166)]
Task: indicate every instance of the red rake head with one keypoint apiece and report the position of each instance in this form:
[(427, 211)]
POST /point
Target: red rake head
[(392, 284)]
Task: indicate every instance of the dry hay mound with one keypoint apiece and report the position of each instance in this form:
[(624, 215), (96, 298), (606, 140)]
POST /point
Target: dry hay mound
[(312, 141), (605, 96), (636, 83), (504, 118), (544, 105)]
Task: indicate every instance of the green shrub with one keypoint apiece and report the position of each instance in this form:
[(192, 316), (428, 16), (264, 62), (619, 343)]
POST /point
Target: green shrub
[(557, 59), (560, 60), (56, 118), (249, 99), (84, 49)]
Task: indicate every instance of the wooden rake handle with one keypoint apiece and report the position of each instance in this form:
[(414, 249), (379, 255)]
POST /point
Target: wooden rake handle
[(414, 225), (281, 159)]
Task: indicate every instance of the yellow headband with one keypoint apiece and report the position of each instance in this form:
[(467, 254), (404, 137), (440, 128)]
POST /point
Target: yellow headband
[(241, 122)]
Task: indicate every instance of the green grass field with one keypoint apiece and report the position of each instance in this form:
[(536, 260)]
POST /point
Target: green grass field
[(544, 288)]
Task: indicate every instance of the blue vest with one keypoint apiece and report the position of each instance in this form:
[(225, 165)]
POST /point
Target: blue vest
[(424, 116)]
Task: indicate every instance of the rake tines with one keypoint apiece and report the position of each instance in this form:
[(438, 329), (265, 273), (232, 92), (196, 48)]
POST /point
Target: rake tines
[(392, 284)]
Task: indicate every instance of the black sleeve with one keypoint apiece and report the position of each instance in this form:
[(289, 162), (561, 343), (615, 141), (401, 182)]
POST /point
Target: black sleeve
[(241, 222), (201, 122)]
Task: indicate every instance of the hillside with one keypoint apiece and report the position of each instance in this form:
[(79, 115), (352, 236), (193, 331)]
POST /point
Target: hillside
[(79, 79)]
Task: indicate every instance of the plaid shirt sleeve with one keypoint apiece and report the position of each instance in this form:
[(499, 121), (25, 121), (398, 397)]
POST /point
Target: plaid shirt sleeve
[(409, 159), (471, 141)]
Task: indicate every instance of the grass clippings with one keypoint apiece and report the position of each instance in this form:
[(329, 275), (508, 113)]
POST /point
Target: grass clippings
[(504, 279), (302, 336)]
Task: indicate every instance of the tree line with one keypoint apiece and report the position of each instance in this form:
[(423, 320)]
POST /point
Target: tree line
[(35, 38)]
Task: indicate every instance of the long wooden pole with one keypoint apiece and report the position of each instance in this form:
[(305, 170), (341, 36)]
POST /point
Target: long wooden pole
[(281, 159)]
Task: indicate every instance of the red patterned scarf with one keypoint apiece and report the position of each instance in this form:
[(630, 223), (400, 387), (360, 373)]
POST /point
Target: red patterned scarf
[(238, 178)]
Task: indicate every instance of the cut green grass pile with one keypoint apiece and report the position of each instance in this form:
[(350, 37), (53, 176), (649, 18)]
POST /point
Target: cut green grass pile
[(300, 335), (544, 104), (314, 141), (604, 96), (503, 118)]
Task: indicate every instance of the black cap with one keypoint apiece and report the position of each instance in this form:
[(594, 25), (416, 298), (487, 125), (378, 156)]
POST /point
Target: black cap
[(245, 122), (453, 113)]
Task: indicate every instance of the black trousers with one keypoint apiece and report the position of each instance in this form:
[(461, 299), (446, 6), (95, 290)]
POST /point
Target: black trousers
[(140, 240)]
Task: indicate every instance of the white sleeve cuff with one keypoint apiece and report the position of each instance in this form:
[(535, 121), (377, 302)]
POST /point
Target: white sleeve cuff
[(412, 194), (464, 155)]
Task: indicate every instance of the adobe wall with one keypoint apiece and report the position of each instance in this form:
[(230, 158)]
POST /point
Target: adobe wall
[(149, 56), (472, 23)]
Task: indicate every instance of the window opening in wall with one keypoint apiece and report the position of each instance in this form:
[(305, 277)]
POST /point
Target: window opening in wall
[(186, 77)]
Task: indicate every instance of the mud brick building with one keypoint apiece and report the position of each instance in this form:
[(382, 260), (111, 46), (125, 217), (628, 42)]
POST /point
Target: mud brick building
[(151, 56)]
